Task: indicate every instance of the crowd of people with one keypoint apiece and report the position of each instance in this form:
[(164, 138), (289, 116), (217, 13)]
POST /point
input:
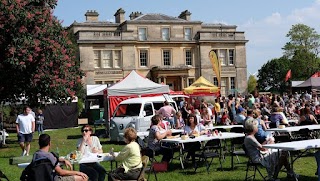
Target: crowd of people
[(256, 113)]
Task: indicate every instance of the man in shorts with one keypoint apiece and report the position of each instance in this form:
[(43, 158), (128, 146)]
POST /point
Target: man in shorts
[(25, 125), (59, 174)]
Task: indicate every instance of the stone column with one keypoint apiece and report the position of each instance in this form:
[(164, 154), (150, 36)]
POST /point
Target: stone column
[(165, 80), (182, 82), (159, 80)]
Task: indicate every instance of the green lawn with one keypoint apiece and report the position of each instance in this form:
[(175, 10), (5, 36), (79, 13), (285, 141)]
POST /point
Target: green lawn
[(65, 140)]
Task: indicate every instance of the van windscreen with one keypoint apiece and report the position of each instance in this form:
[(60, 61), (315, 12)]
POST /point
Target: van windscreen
[(126, 110)]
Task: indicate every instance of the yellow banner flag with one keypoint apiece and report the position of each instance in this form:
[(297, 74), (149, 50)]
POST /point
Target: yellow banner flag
[(216, 64)]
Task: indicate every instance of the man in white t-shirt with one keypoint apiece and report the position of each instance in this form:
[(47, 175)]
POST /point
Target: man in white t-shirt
[(25, 125)]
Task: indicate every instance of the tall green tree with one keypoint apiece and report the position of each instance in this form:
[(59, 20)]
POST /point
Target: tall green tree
[(272, 74), (252, 84), (302, 49), (37, 59), (302, 38)]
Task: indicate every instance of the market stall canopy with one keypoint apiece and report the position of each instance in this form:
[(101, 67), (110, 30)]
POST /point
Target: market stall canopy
[(312, 82), (135, 84), (202, 87), (96, 90)]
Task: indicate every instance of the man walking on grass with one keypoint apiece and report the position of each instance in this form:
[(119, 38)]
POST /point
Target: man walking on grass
[(25, 125)]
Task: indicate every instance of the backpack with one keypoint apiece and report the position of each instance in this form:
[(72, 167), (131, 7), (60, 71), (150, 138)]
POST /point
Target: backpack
[(39, 170)]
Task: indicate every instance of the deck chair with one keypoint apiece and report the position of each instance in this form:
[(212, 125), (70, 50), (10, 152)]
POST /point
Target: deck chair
[(255, 166), (210, 150)]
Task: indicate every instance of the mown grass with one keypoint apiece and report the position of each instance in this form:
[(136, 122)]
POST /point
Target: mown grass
[(65, 140)]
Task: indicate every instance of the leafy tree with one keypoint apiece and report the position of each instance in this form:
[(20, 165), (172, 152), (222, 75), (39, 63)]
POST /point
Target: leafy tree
[(302, 50), (252, 84), (303, 64), (37, 58), (271, 75), (302, 38)]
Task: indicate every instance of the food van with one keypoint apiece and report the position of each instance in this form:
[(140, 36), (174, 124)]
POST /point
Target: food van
[(136, 113)]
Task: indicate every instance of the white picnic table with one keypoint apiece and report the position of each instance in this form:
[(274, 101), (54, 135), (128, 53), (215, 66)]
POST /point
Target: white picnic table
[(295, 146), (144, 134), (295, 128), (225, 127), (202, 138), (88, 158)]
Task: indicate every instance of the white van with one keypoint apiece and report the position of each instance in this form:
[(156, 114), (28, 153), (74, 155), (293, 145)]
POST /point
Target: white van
[(136, 113)]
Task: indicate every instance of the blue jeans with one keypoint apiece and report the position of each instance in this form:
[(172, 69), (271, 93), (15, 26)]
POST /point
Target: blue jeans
[(40, 128), (94, 171), (317, 155), (171, 121)]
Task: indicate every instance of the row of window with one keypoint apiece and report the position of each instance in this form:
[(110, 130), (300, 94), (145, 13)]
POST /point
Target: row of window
[(107, 58), (165, 34), (166, 57), (224, 82), (112, 58)]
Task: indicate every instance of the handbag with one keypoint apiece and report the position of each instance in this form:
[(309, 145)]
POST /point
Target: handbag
[(160, 166)]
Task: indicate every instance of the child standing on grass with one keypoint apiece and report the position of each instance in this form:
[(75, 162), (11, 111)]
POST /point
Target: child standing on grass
[(39, 121)]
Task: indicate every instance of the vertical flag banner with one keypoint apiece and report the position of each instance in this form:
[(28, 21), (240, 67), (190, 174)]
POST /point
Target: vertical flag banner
[(216, 64), (288, 75)]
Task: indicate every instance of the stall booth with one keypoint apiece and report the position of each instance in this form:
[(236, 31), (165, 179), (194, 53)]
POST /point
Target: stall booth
[(132, 86), (202, 87)]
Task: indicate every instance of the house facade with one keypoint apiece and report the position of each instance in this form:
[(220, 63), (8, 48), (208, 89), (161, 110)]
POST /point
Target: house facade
[(166, 49)]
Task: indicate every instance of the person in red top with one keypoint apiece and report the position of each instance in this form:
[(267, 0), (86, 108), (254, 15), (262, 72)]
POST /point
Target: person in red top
[(317, 112), (225, 118)]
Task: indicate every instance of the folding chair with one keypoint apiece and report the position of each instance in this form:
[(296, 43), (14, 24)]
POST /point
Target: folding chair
[(145, 161), (210, 150), (302, 134), (151, 156), (253, 165), (236, 145), (3, 176)]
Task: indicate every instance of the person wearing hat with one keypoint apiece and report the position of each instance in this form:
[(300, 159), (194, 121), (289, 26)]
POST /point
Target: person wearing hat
[(241, 115)]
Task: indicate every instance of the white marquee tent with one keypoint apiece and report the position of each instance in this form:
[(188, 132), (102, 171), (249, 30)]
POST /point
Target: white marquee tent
[(134, 84)]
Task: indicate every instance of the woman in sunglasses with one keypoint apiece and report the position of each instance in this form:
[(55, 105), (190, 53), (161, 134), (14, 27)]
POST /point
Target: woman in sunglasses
[(91, 144)]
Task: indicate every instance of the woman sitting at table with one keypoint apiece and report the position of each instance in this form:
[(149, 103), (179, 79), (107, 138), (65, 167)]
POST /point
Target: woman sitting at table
[(130, 158), (193, 128), (307, 118), (269, 158), (155, 135), (261, 134), (277, 116), (90, 144), (180, 124)]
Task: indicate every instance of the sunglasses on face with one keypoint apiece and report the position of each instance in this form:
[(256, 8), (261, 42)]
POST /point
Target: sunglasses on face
[(86, 130)]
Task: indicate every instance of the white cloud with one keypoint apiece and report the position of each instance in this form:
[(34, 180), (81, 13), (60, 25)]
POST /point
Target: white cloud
[(275, 19), (268, 35)]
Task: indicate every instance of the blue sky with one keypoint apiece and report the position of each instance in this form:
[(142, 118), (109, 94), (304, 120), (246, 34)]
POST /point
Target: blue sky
[(265, 23)]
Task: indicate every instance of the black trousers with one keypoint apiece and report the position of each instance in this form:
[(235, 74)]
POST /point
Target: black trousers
[(118, 174)]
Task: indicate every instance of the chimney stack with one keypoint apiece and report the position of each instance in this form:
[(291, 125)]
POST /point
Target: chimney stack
[(119, 16), (186, 15), (92, 15), (134, 15)]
